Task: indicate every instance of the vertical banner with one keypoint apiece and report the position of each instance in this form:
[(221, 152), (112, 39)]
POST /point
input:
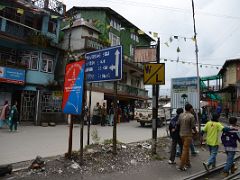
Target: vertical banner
[(73, 88)]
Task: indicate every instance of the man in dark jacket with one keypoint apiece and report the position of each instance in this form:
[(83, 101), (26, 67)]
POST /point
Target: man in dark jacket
[(174, 133)]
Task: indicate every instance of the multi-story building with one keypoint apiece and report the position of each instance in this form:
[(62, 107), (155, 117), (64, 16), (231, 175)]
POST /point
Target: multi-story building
[(230, 74), (115, 30), (29, 33)]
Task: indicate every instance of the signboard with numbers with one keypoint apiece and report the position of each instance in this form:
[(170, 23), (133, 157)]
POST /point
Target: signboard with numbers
[(104, 65), (73, 88)]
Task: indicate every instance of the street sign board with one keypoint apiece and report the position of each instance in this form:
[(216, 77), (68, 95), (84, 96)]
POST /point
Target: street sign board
[(104, 65), (11, 75), (73, 88), (154, 73)]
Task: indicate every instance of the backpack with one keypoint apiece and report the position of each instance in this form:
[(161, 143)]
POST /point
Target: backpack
[(229, 139)]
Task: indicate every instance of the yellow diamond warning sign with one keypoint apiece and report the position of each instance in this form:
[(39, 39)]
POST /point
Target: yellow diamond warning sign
[(154, 73)]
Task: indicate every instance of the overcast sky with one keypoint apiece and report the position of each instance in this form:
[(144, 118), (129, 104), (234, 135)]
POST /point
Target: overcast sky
[(217, 24)]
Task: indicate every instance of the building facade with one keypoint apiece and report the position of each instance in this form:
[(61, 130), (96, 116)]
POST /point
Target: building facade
[(116, 30), (230, 91), (29, 34)]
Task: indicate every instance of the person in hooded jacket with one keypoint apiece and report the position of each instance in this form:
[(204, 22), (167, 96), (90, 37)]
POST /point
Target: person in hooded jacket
[(174, 133)]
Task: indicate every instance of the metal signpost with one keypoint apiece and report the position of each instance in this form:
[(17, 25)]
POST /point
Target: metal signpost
[(73, 93), (106, 65)]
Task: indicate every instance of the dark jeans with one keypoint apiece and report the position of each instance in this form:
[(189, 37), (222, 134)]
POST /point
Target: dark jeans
[(174, 147), (13, 124), (96, 119), (103, 120)]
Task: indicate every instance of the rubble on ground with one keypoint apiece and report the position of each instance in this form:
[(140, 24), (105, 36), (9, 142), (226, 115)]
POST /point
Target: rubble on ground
[(98, 158)]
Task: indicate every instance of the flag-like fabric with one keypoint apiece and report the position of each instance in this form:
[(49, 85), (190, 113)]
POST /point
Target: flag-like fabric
[(20, 11)]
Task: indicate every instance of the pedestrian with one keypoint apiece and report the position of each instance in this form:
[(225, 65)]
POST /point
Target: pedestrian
[(174, 133), (226, 111), (13, 117), (213, 129), (187, 126), (103, 114), (96, 114), (111, 115), (4, 114), (219, 109), (194, 152), (229, 140)]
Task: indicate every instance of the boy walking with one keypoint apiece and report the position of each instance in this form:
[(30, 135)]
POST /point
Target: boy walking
[(229, 140), (213, 129)]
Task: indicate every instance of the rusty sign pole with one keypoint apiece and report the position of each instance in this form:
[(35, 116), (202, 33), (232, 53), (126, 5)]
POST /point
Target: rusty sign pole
[(115, 119), (89, 114), (82, 118), (155, 95)]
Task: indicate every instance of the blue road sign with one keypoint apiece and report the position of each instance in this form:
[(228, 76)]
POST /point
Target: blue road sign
[(104, 65)]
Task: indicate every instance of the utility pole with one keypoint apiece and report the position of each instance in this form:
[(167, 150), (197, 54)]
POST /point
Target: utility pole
[(155, 96), (197, 62), (69, 154)]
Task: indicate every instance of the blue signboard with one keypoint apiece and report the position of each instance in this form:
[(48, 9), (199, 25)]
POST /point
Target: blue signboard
[(104, 65), (11, 75)]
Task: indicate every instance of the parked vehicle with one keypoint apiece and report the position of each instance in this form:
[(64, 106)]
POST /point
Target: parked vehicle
[(144, 116)]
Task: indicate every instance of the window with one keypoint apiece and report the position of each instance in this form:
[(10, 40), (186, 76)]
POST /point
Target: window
[(47, 63), (131, 50), (52, 26), (29, 59), (115, 24), (115, 40), (134, 37)]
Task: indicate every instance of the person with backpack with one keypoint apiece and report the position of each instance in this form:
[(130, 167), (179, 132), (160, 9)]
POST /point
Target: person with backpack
[(213, 129), (229, 140), (13, 117), (174, 133)]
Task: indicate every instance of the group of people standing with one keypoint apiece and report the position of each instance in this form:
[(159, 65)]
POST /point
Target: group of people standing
[(9, 116), (105, 116), (183, 128)]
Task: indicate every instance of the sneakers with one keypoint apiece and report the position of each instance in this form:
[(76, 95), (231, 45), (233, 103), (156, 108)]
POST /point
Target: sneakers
[(233, 169), (225, 174), (206, 166), (171, 162), (195, 153), (182, 168)]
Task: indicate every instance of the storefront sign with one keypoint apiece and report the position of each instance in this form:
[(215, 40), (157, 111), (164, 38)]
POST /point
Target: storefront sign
[(11, 75), (73, 88)]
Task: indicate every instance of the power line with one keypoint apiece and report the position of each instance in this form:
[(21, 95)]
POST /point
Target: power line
[(168, 8)]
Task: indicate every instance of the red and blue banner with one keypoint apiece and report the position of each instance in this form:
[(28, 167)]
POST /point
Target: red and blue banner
[(73, 88)]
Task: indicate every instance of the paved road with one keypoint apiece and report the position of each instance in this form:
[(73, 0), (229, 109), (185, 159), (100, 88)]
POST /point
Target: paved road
[(31, 141)]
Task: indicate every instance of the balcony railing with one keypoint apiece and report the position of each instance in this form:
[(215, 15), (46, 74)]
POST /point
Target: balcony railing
[(130, 60), (93, 43), (123, 88), (17, 29), (53, 5)]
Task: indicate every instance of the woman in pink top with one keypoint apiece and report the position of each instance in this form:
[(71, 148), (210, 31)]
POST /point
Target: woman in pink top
[(4, 114)]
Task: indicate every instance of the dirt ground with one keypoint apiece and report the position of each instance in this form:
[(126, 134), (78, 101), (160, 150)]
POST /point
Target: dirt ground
[(98, 159)]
